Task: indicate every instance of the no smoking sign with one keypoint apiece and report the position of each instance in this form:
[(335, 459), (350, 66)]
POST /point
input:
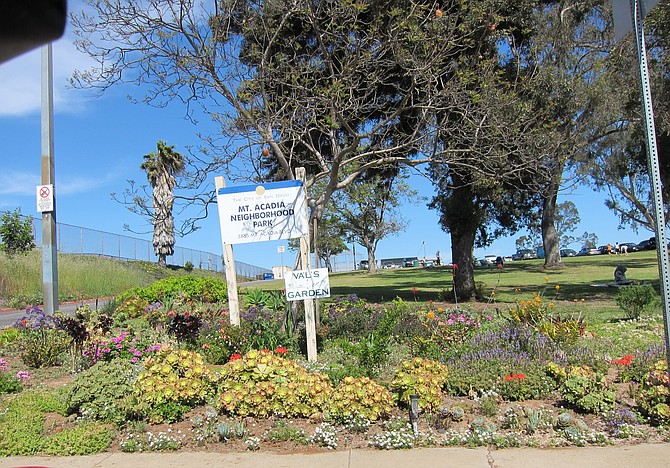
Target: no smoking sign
[(45, 198)]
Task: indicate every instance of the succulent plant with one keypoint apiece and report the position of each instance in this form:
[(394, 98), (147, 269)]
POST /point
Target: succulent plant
[(565, 420), (358, 396), (422, 377), (457, 413), (263, 384), (174, 375)]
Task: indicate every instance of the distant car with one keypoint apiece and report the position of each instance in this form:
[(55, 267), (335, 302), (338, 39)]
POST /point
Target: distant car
[(649, 244), (524, 254), (363, 265), (568, 253), (632, 246), (490, 259), (588, 251)]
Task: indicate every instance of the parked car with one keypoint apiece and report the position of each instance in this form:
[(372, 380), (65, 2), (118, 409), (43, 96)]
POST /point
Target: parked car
[(632, 246), (363, 265), (649, 244), (568, 253), (524, 254), (490, 259), (588, 251)]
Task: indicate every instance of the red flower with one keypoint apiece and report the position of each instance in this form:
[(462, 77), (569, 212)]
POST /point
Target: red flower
[(510, 377), (281, 350), (171, 313), (205, 345), (415, 289), (624, 361), (235, 357)]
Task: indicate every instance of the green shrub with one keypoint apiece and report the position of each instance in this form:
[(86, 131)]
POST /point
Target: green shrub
[(358, 397), (587, 390), (101, 392), (188, 266), (191, 287), (8, 337), (262, 384), (653, 394), (9, 383), (16, 233), (43, 348), (422, 377), (634, 299)]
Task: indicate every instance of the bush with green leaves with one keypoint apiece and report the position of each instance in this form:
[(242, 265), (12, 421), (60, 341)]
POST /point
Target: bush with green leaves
[(634, 299), (102, 392), (587, 390), (262, 384), (172, 377), (358, 397), (201, 289), (16, 233), (41, 343), (422, 377), (653, 394)]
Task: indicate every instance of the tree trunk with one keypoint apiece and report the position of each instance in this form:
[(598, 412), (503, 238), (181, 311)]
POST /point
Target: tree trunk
[(462, 243), (372, 262), (552, 249)]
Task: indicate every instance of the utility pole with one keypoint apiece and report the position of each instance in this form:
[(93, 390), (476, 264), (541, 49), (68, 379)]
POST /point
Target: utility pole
[(49, 247)]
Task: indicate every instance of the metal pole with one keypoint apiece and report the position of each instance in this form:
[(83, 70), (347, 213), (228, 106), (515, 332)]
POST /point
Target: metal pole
[(637, 10), (49, 246)]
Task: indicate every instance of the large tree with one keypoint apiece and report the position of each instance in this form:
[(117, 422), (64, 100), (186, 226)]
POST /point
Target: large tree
[(562, 57), (339, 87), (369, 210), (161, 167)]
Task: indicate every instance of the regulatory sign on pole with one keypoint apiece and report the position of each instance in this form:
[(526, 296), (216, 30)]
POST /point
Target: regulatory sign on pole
[(255, 213), (307, 284), (45, 198)]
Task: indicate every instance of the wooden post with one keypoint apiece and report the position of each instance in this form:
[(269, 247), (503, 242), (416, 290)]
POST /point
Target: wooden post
[(310, 323), (229, 269)]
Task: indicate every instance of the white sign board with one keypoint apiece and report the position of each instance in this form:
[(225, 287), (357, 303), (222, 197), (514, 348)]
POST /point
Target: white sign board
[(256, 213), (45, 198), (307, 284)]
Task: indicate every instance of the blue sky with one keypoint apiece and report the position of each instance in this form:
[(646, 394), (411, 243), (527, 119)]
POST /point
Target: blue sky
[(100, 141)]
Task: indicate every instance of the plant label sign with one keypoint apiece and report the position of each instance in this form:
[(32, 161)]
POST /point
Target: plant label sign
[(45, 198), (256, 213), (307, 284)]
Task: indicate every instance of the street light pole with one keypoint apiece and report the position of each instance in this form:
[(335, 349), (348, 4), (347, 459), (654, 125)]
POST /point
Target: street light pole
[(49, 247)]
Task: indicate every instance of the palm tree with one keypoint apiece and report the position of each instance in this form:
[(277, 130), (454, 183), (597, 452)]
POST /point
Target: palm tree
[(161, 168)]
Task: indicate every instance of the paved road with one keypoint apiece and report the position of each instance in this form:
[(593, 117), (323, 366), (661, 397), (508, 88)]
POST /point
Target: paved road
[(10, 316)]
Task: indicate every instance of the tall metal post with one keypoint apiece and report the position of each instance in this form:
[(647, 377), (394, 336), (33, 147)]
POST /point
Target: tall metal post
[(49, 245), (638, 12)]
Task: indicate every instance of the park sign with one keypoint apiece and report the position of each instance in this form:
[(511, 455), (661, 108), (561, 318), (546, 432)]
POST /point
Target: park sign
[(256, 213), (307, 284)]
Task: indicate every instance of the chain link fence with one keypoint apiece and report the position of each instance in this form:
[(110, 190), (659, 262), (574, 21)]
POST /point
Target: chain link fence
[(84, 241)]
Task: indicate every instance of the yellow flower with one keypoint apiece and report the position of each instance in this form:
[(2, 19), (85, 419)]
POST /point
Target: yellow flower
[(546, 279), (430, 315), (493, 293), (582, 299), (557, 287), (440, 309), (551, 304)]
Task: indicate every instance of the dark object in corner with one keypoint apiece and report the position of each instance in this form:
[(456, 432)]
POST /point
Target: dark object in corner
[(26, 24)]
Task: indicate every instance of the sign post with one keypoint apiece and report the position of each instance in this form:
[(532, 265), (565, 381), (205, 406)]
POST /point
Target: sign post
[(636, 12), (46, 190), (230, 270)]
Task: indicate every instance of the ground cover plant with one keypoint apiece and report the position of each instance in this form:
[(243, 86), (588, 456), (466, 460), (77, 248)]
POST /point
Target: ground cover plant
[(537, 363)]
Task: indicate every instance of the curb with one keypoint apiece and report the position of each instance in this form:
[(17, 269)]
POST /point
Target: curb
[(67, 303)]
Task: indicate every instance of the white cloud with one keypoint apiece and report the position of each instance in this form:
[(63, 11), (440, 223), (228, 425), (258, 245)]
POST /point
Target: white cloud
[(20, 93)]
